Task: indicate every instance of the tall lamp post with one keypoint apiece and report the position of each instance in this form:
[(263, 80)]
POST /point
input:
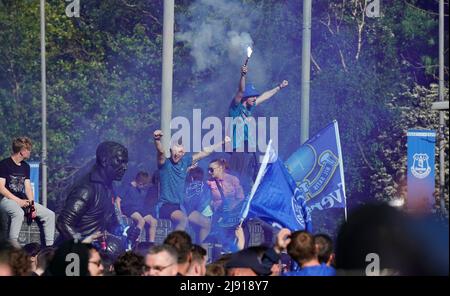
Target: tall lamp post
[(306, 65), (43, 106), (167, 72), (441, 110)]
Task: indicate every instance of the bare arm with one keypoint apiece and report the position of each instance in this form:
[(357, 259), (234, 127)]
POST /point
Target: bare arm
[(6, 193), (282, 241), (208, 150), (239, 190), (118, 200), (160, 157), (241, 87), (239, 232), (29, 190), (268, 94), (215, 202), (30, 195)]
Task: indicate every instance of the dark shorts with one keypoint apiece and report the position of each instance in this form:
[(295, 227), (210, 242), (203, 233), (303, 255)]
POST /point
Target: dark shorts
[(167, 209), (142, 211), (245, 166)]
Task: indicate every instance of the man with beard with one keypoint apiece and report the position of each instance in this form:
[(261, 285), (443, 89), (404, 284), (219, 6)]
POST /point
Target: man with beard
[(173, 172), (244, 162), (89, 207)]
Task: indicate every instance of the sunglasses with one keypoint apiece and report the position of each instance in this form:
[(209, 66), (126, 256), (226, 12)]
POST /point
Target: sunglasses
[(98, 263)]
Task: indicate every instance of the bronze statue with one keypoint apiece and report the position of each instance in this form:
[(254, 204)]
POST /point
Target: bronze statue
[(89, 207)]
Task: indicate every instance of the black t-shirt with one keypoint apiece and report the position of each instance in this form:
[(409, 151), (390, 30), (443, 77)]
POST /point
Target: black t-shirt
[(134, 199), (15, 176)]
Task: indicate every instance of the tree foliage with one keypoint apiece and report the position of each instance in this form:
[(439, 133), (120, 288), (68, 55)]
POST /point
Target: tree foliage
[(104, 76), (412, 111)]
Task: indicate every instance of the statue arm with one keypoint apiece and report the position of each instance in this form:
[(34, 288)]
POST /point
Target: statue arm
[(75, 207)]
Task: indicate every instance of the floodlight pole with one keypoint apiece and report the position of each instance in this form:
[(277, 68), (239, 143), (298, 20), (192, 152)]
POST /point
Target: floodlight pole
[(441, 112), (167, 72), (43, 106), (306, 66)]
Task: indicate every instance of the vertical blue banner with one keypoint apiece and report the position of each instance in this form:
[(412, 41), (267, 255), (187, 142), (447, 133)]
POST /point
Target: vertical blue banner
[(34, 179), (420, 177)]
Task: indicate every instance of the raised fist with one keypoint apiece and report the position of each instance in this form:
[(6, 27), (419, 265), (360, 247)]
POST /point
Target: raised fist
[(244, 70), (157, 135), (284, 83)]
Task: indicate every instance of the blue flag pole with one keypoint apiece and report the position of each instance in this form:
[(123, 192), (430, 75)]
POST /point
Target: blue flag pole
[(341, 165), (263, 167)]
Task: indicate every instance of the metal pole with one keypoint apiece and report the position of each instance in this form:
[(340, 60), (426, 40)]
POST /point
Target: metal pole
[(306, 61), (167, 72), (441, 113), (44, 106)]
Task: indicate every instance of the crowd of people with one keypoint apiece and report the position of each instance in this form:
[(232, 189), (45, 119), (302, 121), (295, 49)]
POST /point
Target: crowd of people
[(177, 256), (404, 245), (101, 225)]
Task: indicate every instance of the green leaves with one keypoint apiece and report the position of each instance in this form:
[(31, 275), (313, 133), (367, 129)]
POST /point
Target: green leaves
[(104, 78)]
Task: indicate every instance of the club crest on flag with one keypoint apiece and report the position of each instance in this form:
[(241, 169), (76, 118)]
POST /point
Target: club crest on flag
[(286, 194), (420, 168), (319, 172), (317, 168)]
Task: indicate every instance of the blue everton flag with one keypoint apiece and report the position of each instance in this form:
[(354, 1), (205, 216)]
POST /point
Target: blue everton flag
[(317, 168), (34, 179), (421, 182), (275, 197)]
